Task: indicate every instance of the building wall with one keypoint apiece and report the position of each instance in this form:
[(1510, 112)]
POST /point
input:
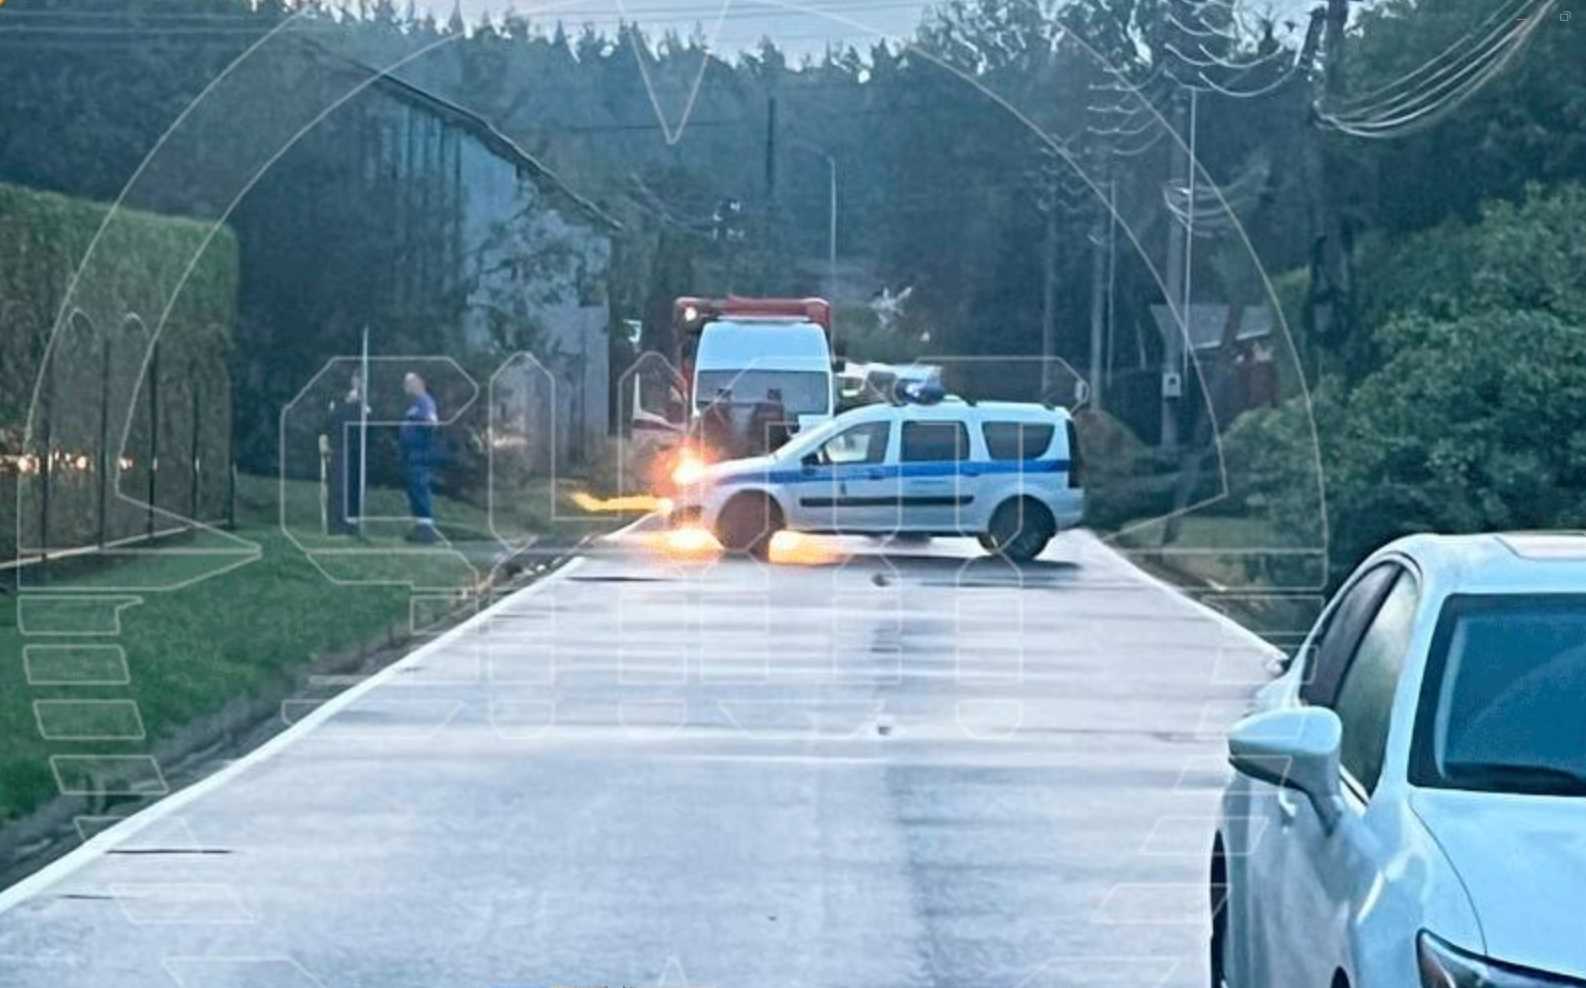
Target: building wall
[(532, 267)]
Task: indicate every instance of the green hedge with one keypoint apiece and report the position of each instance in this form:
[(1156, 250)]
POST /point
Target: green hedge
[(98, 363)]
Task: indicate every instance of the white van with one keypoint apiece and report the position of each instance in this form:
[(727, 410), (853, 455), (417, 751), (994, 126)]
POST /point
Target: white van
[(750, 361)]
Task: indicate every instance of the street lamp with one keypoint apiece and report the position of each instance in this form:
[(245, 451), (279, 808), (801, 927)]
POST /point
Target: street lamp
[(831, 228)]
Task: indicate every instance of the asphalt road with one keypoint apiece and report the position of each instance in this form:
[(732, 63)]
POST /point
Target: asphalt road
[(868, 769)]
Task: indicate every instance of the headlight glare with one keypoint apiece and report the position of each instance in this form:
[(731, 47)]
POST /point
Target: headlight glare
[(690, 469)]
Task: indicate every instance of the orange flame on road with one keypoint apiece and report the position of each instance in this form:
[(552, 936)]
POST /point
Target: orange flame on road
[(796, 549)]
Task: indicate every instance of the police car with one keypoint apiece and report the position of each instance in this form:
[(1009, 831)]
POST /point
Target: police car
[(1007, 473)]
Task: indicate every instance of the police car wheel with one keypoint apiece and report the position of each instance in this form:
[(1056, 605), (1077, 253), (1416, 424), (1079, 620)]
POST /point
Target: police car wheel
[(747, 524), (1018, 530)]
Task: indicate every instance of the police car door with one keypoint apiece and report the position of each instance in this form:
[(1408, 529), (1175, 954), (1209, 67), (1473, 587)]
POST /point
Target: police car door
[(849, 483), (938, 477)]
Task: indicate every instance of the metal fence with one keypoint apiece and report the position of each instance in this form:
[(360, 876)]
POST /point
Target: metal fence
[(130, 440)]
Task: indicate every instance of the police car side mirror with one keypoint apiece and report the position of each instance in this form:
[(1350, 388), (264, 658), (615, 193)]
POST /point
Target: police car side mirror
[(811, 460)]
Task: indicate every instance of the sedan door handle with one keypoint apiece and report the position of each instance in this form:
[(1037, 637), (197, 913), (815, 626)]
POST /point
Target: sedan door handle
[(971, 471), (876, 474)]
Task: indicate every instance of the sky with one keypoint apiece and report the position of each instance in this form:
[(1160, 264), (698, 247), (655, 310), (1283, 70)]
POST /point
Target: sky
[(797, 26)]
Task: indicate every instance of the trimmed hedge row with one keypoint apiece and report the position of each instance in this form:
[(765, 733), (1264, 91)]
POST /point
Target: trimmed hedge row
[(111, 409)]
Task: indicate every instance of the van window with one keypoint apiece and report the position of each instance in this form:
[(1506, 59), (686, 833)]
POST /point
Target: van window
[(1017, 440), (934, 441)]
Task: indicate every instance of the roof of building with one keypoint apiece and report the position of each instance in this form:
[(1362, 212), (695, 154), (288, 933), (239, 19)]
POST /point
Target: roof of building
[(1207, 321), (479, 126)]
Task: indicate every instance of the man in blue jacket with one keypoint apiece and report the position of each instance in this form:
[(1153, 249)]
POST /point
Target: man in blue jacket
[(417, 438)]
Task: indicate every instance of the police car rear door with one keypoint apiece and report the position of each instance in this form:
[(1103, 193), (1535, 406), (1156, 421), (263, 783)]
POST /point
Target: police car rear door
[(938, 471)]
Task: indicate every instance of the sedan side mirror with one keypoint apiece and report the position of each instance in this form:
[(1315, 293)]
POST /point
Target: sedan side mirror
[(811, 460), (1296, 748)]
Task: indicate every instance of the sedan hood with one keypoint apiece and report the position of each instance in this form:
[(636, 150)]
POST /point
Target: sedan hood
[(1523, 859)]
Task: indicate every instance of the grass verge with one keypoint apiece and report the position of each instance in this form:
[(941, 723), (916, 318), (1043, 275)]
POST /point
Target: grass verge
[(203, 635)]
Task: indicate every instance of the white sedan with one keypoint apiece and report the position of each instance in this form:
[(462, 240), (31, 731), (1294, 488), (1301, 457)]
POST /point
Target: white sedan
[(1409, 807)]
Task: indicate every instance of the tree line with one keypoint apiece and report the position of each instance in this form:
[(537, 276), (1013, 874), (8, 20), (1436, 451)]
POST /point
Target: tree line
[(979, 162)]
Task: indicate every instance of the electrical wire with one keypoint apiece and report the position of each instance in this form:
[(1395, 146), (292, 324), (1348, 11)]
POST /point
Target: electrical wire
[(1421, 117), (1207, 32), (1212, 61), (1288, 76), (1517, 29), (1140, 149), (1498, 17)]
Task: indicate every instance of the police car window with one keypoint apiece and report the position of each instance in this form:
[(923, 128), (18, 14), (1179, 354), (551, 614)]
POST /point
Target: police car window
[(1365, 697), (1017, 440), (862, 444), (934, 441)]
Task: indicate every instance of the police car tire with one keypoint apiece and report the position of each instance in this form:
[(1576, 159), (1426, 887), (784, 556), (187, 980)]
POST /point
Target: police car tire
[(747, 524), (1018, 538)]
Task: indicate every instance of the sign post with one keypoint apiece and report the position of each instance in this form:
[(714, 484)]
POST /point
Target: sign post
[(363, 430)]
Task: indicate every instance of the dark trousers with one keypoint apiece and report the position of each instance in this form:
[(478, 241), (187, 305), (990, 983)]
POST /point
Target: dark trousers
[(345, 504), (418, 478)]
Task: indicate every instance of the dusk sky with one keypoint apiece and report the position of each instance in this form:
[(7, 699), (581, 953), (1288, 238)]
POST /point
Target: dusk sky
[(798, 26)]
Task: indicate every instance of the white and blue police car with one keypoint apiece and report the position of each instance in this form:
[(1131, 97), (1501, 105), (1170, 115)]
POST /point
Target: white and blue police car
[(1007, 473)]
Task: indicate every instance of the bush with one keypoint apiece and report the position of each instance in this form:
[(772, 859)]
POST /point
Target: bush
[(1471, 413), (1125, 480), (1270, 457), (1473, 424)]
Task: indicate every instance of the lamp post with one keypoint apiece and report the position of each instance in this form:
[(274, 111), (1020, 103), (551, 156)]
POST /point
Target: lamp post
[(831, 226)]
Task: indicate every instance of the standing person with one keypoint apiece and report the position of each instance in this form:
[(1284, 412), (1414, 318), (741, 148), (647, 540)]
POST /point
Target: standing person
[(346, 445), (768, 423), (417, 437), (716, 432)]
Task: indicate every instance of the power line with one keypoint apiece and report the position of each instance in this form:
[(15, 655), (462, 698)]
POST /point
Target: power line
[(1453, 74), (1498, 17), (1409, 118)]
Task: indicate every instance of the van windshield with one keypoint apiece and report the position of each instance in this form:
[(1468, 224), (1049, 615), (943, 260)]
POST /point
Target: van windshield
[(801, 392)]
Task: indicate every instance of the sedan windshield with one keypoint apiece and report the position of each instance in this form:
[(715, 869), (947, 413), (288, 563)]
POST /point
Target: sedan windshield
[(1501, 704)]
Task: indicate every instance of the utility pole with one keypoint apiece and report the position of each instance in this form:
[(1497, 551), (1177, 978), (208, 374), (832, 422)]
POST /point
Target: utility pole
[(1173, 339), (1049, 280), (831, 221), (770, 192), (831, 233), (1330, 309), (1099, 265)]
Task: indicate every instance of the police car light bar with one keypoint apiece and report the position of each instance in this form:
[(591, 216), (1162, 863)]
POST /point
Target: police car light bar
[(920, 393)]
